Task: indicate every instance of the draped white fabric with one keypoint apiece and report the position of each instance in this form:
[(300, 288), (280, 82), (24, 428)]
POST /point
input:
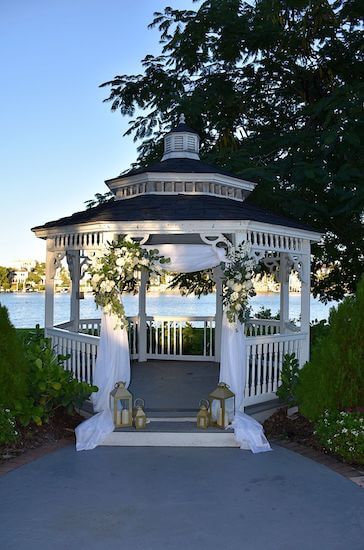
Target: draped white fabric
[(188, 258), (233, 358), (112, 365), (113, 362)]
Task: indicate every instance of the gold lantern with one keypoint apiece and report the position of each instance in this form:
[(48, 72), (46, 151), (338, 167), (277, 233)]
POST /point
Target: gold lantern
[(222, 405), (203, 416), (140, 418), (121, 403)]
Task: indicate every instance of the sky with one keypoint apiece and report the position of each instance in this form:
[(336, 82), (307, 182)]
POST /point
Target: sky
[(58, 140)]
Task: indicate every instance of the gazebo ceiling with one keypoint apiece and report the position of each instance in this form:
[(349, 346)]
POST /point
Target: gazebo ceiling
[(153, 207)]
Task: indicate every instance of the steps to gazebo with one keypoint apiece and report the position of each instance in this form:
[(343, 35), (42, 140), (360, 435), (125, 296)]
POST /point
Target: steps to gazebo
[(171, 432)]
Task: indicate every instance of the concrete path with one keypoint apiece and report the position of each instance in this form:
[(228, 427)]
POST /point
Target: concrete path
[(180, 499)]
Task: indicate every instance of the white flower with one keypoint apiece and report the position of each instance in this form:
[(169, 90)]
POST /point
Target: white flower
[(237, 307), (248, 285), (107, 309), (95, 279), (120, 262), (245, 248), (237, 287), (230, 283), (128, 239), (238, 276), (234, 296), (248, 275)]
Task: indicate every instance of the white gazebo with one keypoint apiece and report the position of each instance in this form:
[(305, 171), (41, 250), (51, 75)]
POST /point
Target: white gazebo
[(182, 200)]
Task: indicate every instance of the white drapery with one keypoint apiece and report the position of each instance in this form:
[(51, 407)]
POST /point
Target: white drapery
[(112, 365), (113, 362)]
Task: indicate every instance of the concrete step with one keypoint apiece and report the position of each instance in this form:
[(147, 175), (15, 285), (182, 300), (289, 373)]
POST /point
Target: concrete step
[(171, 434)]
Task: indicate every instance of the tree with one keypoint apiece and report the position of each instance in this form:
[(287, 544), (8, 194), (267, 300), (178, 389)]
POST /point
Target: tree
[(99, 198), (275, 90), (4, 278), (36, 275)]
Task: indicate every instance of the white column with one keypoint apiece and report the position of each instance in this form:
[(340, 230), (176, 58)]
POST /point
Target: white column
[(142, 317), (284, 271), (305, 300), (49, 286), (73, 259), (217, 272)]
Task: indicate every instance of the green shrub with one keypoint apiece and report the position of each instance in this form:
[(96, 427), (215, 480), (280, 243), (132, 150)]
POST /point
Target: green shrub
[(50, 387), (8, 431), (342, 433), (334, 377), (287, 391), (318, 330), (13, 364)]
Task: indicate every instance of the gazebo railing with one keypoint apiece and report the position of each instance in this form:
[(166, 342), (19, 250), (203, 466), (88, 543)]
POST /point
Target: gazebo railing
[(167, 338), (181, 337), (264, 358)]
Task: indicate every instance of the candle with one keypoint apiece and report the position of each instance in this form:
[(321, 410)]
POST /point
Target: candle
[(219, 416), (226, 423), (125, 417), (118, 417)]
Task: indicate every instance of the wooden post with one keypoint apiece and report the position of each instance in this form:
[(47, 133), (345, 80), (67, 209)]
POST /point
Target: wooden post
[(142, 317), (305, 300), (284, 271), (73, 260), (49, 286)]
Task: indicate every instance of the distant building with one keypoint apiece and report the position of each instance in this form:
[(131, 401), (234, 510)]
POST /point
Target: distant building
[(24, 264)]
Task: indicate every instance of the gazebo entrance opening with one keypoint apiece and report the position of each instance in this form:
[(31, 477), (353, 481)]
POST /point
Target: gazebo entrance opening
[(166, 338)]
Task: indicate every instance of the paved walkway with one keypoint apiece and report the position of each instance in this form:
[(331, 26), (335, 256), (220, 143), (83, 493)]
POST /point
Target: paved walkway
[(180, 499)]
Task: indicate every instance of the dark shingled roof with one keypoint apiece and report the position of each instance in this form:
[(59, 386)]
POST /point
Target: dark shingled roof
[(178, 165), (182, 127), (151, 207)]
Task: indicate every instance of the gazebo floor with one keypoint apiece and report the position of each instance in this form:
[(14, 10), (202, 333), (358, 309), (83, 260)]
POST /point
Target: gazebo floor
[(172, 391), (173, 388)]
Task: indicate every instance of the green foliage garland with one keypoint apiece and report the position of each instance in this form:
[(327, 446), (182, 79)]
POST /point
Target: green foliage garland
[(117, 270), (238, 272)]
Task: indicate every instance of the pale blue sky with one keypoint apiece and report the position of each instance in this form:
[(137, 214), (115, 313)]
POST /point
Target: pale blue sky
[(58, 141)]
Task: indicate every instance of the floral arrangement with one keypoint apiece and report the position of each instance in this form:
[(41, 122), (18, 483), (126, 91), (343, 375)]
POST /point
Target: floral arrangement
[(342, 433), (117, 269), (238, 272)]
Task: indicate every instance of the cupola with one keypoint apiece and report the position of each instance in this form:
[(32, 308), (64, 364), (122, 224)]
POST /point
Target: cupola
[(181, 142)]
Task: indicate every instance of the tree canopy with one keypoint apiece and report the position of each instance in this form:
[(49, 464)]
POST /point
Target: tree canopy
[(275, 90)]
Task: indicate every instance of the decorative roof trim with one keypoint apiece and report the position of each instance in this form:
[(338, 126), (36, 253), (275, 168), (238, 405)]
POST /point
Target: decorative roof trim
[(178, 227), (217, 178)]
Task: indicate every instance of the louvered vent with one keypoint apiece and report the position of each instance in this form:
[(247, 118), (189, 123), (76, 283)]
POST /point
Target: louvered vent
[(168, 144), (191, 143), (178, 143)]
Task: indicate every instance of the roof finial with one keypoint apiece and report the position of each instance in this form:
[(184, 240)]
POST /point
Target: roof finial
[(182, 119)]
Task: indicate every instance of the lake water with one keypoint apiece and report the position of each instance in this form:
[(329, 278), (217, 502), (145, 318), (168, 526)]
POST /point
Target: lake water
[(27, 309)]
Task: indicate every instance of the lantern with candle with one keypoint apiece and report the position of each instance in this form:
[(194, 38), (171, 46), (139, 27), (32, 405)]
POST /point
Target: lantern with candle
[(121, 403), (222, 405), (140, 418), (203, 416)]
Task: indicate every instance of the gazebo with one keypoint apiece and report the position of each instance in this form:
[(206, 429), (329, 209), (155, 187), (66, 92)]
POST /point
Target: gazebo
[(182, 200)]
